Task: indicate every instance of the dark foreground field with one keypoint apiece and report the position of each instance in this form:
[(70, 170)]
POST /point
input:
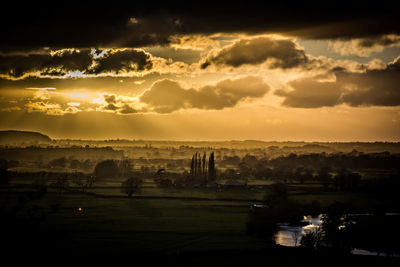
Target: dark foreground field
[(178, 227)]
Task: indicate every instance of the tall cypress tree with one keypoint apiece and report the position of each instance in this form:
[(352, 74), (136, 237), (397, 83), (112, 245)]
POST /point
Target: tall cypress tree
[(199, 165), (206, 169), (192, 167), (211, 168), (195, 165), (204, 165)]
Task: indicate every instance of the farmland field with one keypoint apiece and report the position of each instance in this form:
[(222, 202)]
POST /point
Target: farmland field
[(166, 220)]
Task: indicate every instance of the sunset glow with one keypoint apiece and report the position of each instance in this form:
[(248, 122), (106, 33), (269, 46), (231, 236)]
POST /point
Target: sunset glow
[(305, 81)]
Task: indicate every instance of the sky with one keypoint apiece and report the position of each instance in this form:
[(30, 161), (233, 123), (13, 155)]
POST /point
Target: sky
[(211, 72)]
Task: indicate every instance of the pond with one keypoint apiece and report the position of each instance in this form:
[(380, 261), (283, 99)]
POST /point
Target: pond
[(290, 236)]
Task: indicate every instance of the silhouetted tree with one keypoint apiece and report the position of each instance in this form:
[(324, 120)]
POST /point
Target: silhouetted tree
[(312, 239), (131, 186), (295, 236), (211, 168), (195, 165), (204, 168), (146, 171), (125, 167), (277, 195), (106, 169), (353, 180), (324, 177), (336, 225), (308, 175), (347, 180), (277, 208), (299, 174), (192, 166), (244, 170), (340, 179), (83, 181), (198, 165)]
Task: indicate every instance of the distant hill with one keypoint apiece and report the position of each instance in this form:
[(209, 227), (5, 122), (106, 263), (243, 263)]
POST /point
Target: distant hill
[(19, 137)]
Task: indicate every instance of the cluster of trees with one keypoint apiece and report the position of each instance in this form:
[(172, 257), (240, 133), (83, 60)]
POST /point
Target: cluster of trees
[(346, 180), (338, 171), (113, 169), (200, 168), (64, 162), (353, 160), (61, 182), (202, 173), (338, 180), (301, 167)]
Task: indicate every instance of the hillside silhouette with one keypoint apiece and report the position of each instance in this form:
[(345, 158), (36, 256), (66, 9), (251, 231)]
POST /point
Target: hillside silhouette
[(19, 137)]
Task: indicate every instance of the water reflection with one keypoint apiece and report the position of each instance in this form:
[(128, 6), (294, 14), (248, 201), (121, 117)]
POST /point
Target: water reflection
[(290, 236)]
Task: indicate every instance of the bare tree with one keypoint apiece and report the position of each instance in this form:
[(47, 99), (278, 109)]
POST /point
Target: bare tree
[(83, 181), (295, 236)]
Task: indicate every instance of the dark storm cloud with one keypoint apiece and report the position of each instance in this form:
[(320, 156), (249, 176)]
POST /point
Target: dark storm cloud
[(133, 24), (167, 96), (384, 40), (61, 62), (376, 87), (363, 47), (280, 53), (57, 64), (370, 88), (118, 60)]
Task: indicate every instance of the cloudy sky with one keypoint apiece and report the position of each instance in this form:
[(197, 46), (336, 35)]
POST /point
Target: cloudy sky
[(213, 72)]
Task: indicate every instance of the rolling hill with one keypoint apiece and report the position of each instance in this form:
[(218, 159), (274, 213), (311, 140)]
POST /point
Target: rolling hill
[(22, 137)]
